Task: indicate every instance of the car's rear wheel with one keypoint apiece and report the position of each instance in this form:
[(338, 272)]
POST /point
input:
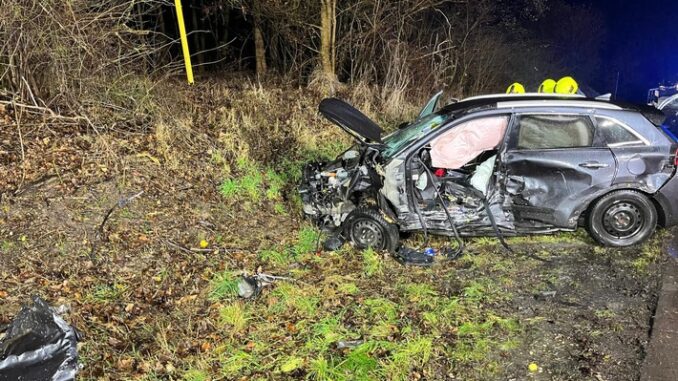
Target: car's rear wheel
[(622, 218), (366, 227)]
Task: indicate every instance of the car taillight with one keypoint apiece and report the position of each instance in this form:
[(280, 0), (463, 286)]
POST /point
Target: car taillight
[(675, 158)]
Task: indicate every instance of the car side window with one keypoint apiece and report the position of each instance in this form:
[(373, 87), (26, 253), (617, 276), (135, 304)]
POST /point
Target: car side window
[(611, 133), (551, 131)]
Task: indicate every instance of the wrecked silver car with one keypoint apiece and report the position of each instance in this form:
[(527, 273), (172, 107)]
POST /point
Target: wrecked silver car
[(499, 165)]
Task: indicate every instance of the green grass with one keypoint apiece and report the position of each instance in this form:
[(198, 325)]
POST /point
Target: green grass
[(605, 314), (359, 363), (276, 182), (234, 317), (107, 293), (372, 263), (413, 321), (381, 309), (251, 185), (326, 151), (325, 333), (307, 241), (232, 364), (229, 188), (279, 208), (276, 257), (254, 184), (348, 288), (6, 246), (291, 364), (416, 352), (293, 298), (224, 285), (421, 294), (321, 369), (650, 253), (195, 375), (475, 291), (400, 326)]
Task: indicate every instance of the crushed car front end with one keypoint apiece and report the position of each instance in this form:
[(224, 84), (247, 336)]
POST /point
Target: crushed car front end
[(330, 191)]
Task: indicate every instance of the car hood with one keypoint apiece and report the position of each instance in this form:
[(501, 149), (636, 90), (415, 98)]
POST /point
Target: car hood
[(351, 120)]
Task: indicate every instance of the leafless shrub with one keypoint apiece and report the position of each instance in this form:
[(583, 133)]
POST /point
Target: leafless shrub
[(64, 55)]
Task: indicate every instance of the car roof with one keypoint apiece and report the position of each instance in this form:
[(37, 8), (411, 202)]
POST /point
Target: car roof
[(503, 101)]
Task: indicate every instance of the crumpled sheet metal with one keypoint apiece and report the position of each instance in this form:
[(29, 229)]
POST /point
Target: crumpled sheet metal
[(38, 345), (465, 142)]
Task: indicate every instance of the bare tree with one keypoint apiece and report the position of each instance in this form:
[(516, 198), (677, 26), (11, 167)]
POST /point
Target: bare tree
[(328, 28)]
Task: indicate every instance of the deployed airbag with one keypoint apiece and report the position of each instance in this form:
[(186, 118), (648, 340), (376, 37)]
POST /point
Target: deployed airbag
[(482, 175), (465, 142)]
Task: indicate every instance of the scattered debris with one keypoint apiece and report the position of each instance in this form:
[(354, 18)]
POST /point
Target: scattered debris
[(334, 242), (38, 345), (250, 287), (408, 256), (348, 344), (100, 234)]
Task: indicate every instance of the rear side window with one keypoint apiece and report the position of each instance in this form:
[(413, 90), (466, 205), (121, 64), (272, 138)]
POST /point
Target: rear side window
[(553, 131), (612, 133)]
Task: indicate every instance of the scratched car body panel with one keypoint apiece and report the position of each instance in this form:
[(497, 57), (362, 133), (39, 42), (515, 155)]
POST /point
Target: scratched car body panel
[(563, 162)]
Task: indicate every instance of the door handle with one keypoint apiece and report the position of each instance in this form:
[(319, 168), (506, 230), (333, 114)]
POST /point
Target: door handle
[(593, 165)]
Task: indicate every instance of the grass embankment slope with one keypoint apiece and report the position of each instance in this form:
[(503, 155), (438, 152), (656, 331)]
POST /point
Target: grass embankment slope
[(219, 162)]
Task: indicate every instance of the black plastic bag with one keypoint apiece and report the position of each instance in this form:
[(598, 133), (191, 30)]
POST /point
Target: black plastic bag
[(38, 346)]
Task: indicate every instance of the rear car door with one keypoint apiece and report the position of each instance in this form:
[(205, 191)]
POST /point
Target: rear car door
[(552, 169)]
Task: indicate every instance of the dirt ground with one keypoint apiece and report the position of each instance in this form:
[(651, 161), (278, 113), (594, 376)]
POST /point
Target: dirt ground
[(152, 304)]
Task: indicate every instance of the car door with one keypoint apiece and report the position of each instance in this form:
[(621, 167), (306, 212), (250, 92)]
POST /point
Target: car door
[(551, 168), (457, 189)]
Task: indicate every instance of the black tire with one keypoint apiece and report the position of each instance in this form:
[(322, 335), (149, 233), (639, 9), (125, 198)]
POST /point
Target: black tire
[(622, 218), (366, 227)]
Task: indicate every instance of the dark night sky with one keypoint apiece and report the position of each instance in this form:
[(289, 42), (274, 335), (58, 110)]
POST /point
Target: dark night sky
[(642, 45)]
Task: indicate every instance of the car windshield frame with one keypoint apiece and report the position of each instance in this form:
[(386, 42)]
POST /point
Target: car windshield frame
[(404, 137)]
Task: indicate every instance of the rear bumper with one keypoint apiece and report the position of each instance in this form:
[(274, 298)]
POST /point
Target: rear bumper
[(667, 197)]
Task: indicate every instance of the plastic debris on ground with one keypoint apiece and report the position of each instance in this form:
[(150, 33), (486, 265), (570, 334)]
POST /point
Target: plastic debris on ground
[(38, 345), (249, 287), (334, 243), (408, 256), (348, 344)]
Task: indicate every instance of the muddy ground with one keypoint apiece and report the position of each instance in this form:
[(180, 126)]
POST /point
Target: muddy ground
[(154, 305)]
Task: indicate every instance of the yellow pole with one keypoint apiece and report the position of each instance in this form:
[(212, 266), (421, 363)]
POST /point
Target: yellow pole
[(184, 41)]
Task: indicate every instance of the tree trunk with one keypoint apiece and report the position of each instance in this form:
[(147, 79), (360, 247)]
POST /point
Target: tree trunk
[(327, 37), (259, 46)]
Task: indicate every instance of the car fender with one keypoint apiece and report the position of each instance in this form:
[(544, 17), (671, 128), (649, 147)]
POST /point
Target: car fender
[(666, 199)]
